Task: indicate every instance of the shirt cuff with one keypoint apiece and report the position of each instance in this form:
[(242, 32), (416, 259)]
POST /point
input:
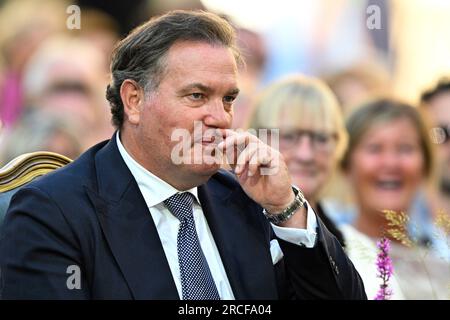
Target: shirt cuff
[(301, 237)]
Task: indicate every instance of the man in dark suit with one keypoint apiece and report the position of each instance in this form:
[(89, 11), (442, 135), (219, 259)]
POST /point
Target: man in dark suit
[(132, 218)]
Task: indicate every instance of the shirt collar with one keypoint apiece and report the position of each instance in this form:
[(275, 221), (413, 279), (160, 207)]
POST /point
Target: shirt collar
[(153, 189)]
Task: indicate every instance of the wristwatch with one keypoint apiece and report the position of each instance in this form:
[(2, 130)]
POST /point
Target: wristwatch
[(286, 214)]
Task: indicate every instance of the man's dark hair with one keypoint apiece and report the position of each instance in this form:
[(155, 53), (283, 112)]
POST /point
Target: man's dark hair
[(141, 55), (442, 86)]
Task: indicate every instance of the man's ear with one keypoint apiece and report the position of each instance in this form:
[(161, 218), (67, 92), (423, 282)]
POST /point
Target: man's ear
[(132, 98)]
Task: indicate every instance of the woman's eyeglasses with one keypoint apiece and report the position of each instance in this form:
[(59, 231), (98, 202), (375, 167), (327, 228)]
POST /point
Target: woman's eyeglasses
[(320, 141)]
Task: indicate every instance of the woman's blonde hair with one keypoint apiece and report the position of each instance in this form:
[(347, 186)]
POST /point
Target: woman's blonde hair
[(302, 102)]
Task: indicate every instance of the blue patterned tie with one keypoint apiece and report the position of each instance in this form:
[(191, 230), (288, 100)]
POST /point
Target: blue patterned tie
[(196, 280)]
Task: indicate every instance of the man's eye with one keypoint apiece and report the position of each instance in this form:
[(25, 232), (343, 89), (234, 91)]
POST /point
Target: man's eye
[(197, 96), (229, 99)]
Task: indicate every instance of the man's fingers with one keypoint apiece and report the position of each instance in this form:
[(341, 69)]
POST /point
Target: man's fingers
[(237, 140), (233, 146), (245, 156), (261, 158), (243, 149), (256, 155)]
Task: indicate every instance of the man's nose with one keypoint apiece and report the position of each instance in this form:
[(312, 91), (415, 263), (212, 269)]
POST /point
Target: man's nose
[(217, 116)]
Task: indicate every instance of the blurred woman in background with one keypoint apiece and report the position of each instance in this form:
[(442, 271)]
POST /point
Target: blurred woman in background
[(389, 158), (67, 76), (23, 26), (312, 134)]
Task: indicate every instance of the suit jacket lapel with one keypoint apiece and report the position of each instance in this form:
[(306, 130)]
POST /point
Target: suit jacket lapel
[(244, 249), (129, 229)]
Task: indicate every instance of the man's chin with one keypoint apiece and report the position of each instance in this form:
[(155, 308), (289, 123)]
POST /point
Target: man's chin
[(204, 169), (193, 175)]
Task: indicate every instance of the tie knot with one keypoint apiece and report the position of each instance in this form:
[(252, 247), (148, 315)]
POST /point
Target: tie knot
[(180, 204)]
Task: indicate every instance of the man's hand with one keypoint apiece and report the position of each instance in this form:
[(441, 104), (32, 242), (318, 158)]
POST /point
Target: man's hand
[(262, 173)]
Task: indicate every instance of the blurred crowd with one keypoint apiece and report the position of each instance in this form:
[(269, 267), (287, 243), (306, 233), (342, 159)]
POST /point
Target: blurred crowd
[(351, 144)]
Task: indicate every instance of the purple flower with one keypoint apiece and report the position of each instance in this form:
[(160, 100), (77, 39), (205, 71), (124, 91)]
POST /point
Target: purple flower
[(384, 268)]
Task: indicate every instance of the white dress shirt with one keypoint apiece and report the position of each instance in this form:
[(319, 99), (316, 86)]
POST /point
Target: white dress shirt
[(155, 191)]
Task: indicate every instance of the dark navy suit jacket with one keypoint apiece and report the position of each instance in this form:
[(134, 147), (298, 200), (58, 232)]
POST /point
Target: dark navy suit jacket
[(91, 214)]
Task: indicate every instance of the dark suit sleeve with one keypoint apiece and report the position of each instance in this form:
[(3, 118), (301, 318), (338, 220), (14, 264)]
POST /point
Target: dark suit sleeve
[(321, 272), (39, 254)]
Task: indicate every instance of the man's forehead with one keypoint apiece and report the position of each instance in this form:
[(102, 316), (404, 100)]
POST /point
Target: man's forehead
[(200, 51), (202, 65)]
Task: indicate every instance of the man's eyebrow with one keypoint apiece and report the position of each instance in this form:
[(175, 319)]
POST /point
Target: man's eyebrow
[(204, 88), (234, 91), (196, 85)]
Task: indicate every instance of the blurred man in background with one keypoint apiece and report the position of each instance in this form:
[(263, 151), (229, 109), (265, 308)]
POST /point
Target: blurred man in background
[(436, 103)]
